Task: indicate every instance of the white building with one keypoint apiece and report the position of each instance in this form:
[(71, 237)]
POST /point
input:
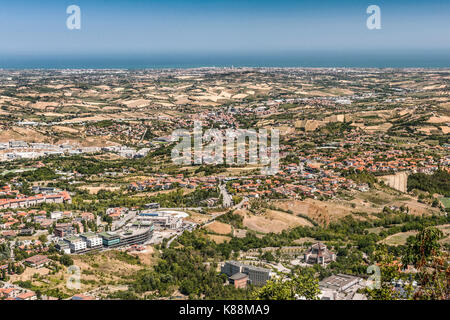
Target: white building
[(76, 244), (56, 215), (341, 287), (92, 240)]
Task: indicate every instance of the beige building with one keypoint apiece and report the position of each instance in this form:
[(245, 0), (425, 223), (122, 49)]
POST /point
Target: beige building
[(319, 254)]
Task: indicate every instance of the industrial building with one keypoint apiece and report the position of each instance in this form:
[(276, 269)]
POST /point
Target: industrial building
[(256, 275), (341, 287)]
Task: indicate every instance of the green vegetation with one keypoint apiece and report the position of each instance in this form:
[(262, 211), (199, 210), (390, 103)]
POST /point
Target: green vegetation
[(361, 177), (438, 182), (300, 286), (40, 174), (211, 170), (335, 128), (424, 253), (233, 219), (186, 270), (445, 202)]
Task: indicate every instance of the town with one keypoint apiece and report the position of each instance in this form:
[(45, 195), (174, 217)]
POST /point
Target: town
[(93, 205)]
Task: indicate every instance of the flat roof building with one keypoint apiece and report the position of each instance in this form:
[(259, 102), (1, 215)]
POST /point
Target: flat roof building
[(136, 235), (110, 239), (340, 287), (256, 275), (239, 280), (76, 244), (37, 261), (92, 239)]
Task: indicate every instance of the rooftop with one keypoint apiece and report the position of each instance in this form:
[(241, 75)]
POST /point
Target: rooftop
[(338, 281), (238, 276)]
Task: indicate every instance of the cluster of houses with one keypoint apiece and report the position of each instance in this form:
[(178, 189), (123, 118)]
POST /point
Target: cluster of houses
[(14, 150), (166, 182), (372, 153), (25, 202), (219, 118), (127, 152), (23, 150), (134, 132), (395, 161), (293, 180), (11, 292), (306, 178), (14, 222)]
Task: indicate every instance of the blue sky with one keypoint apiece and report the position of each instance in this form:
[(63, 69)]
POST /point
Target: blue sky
[(221, 26)]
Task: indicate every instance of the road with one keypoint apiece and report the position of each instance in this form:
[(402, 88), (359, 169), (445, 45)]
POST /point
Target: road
[(227, 203), (227, 200), (171, 240), (235, 207), (240, 204), (11, 256), (277, 266)]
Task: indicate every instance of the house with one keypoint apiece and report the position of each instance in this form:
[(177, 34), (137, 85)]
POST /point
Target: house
[(37, 261), (63, 229), (56, 215), (9, 292), (29, 295), (26, 232), (87, 216), (152, 205)]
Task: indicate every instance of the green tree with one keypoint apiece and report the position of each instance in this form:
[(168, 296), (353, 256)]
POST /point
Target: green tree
[(43, 238), (424, 252), (389, 272), (66, 260), (274, 290), (302, 285), (421, 249)]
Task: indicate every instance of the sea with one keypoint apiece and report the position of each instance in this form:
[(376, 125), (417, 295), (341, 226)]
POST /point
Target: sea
[(328, 59)]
